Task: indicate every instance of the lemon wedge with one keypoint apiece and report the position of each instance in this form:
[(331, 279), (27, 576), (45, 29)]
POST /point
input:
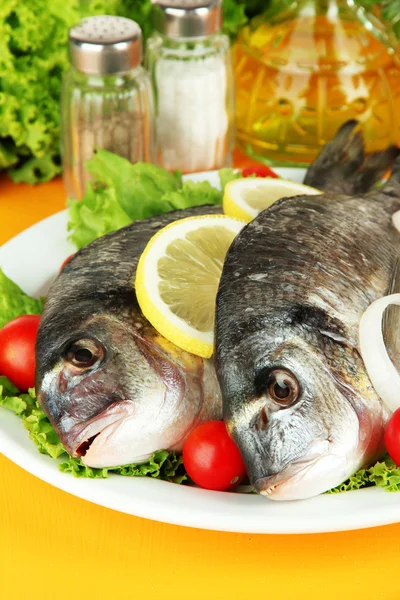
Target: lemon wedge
[(178, 275), (246, 198)]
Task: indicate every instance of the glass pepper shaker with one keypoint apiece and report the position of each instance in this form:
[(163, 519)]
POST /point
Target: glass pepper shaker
[(107, 98), (190, 64)]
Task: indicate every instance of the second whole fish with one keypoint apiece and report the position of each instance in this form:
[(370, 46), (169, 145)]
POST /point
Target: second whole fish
[(296, 281)]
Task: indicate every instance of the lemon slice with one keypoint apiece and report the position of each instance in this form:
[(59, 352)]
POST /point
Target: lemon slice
[(246, 198), (178, 275)]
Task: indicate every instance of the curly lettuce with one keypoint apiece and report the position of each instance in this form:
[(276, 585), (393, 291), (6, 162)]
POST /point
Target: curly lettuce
[(235, 16), (121, 192), (14, 302), (384, 474), (33, 57)]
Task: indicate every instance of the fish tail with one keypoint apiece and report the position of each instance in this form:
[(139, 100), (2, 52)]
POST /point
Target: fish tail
[(343, 167)]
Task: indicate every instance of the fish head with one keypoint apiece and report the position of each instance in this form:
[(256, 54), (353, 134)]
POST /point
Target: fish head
[(302, 413), (116, 391)]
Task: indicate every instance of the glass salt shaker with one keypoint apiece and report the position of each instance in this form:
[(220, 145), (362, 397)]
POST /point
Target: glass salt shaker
[(107, 98), (189, 61)]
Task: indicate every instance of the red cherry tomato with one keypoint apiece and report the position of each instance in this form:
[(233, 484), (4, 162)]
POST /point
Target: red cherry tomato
[(211, 458), (259, 171), (65, 262), (392, 436), (17, 350)]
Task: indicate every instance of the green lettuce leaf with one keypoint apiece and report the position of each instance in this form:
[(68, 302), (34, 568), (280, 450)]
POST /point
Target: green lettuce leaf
[(97, 214), (228, 175), (121, 192), (33, 57), (9, 398), (384, 474), (14, 302), (235, 18), (36, 170), (161, 465), (139, 187), (192, 194), (140, 11)]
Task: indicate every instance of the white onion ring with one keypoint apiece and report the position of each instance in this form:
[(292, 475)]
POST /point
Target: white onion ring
[(396, 220), (383, 374)]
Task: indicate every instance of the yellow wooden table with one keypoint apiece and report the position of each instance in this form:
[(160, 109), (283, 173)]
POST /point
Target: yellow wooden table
[(53, 545)]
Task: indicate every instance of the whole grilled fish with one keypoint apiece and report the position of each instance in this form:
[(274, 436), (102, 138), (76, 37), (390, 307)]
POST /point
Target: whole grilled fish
[(296, 396), (114, 389)]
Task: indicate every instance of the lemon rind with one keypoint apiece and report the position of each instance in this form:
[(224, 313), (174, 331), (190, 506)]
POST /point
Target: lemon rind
[(157, 312)]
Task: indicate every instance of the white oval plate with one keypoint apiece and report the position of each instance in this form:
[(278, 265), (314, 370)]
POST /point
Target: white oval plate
[(32, 259)]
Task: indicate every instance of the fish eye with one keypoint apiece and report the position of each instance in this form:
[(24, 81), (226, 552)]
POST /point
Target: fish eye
[(283, 387), (84, 353)]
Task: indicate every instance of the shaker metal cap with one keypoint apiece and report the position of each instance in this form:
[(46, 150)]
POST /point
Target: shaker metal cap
[(104, 45), (187, 18)]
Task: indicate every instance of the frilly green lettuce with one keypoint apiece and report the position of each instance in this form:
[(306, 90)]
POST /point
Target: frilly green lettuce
[(33, 57), (14, 302), (164, 465), (121, 192), (384, 474)]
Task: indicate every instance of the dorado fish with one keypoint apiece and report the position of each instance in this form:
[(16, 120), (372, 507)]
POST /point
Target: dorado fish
[(114, 389), (296, 281)]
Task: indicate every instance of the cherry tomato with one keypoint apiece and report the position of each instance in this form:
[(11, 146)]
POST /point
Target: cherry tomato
[(66, 261), (17, 350), (259, 171), (211, 458), (392, 436)]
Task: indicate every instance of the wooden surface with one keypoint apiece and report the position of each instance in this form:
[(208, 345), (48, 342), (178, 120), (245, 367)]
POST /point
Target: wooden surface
[(53, 545)]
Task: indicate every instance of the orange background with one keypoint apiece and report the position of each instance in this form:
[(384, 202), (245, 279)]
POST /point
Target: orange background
[(53, 545)]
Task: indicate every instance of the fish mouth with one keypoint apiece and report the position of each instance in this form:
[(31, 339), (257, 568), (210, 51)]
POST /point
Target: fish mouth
[(282, 485), (85, 446), (81, 437), (270, 484)]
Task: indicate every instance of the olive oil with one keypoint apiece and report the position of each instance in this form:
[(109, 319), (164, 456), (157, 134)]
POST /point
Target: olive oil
[(302, 74)]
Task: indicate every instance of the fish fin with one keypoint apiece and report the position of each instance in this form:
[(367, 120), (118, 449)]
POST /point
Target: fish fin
[(391, 319), (342, 166), (392, 186), (374, 168)]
